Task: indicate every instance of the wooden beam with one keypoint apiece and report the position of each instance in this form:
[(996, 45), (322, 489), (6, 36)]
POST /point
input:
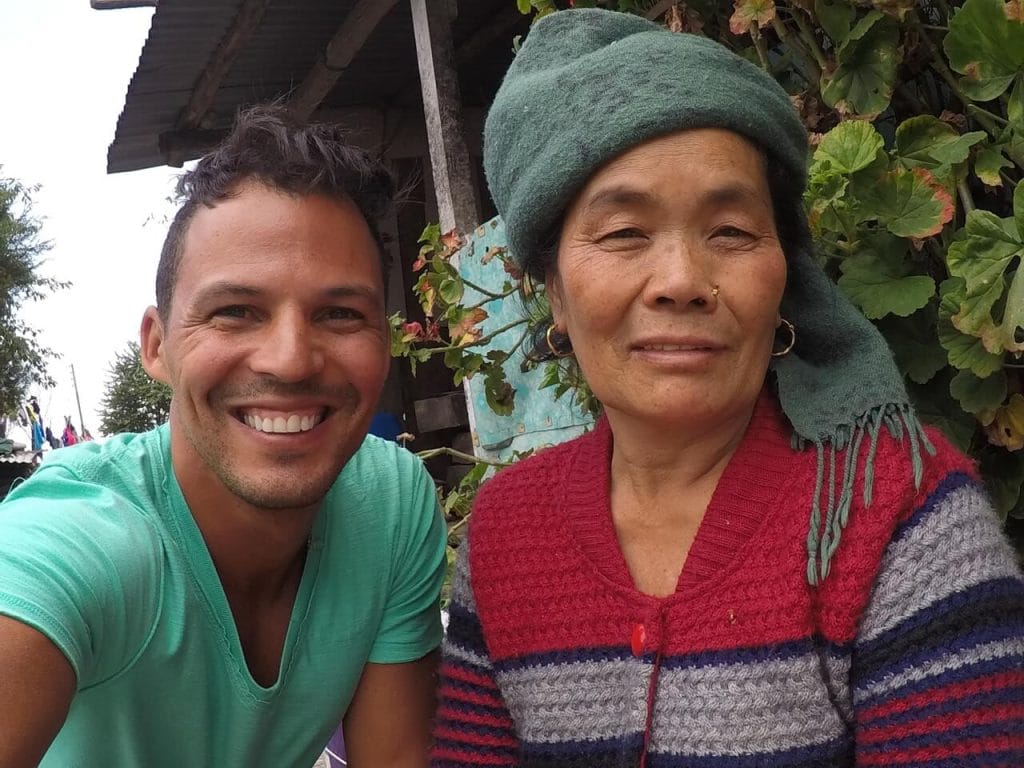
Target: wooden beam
[(339, 53), (493, 32), (179, 146), (449, 159), (217, 68), (112, 5)]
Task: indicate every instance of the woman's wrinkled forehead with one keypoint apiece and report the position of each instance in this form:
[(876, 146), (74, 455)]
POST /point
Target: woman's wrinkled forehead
[(543, 140)]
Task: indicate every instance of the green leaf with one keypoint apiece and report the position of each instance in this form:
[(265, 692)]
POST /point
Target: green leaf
[(988, 163), (935, 406), (1018, 210), (975, 315), (863, 82), (750, 13), (986, 47), (982, 256), (1004, 474), (926, 141), (878, 282), (914, 344), (1007, 427), (909, 203), (1015, 106), (835, 17), (1011, 331), (450, 291), (850, 146), (965, 352), (524, 6), (976, 395)]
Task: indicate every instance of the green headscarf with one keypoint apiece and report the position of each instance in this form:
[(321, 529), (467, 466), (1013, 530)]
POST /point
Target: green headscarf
[(589, 84)]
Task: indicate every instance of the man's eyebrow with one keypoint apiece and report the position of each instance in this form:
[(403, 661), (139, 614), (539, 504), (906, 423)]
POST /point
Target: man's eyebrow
[(357, 290), (227, 290)]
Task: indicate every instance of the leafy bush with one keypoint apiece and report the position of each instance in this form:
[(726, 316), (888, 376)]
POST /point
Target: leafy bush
[(916, 115)]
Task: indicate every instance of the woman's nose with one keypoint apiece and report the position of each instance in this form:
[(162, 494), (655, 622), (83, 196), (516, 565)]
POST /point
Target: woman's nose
[(680, 276)]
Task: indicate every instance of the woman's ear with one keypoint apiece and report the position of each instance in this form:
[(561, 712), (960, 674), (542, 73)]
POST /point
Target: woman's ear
[(556, 300), (151, 344)]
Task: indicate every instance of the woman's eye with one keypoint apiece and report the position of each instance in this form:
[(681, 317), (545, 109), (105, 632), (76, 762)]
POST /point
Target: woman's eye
[(627, 233), (731, 232)]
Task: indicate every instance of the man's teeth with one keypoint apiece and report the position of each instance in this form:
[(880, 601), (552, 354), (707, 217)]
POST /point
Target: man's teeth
[(292, 423)]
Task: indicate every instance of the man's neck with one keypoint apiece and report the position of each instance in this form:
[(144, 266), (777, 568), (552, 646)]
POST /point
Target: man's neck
[(258, 552)]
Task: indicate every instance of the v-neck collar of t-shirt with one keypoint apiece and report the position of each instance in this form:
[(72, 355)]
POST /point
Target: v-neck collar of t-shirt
[(750, 484), (196, 555)]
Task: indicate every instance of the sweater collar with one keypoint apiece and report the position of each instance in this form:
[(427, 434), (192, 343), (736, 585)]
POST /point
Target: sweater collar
[(751, 482)]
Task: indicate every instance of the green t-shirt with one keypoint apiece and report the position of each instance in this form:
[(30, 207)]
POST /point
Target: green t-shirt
[(100, 553)]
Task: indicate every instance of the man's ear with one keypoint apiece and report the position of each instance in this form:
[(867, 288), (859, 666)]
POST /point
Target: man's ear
[(151, 344)]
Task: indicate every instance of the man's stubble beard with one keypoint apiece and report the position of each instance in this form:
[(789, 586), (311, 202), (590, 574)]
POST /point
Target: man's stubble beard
[(306, 490)]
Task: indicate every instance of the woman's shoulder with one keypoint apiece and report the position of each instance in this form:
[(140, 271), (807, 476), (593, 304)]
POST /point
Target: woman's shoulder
[(542, 478), (914, 470)]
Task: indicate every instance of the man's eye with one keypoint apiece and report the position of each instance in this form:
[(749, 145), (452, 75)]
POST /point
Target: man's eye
[(343, 313), (235, 311)]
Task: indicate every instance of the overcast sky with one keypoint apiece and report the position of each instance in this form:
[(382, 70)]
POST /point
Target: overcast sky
[(64, 70)]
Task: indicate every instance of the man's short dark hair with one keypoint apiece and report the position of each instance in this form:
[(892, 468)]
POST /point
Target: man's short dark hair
[(269, 146)]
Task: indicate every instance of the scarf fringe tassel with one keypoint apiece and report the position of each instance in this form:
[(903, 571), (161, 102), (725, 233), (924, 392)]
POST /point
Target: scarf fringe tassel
[(825, 531)]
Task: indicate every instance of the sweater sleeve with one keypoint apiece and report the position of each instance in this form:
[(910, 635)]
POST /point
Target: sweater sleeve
[(473, 725), (938, 662)]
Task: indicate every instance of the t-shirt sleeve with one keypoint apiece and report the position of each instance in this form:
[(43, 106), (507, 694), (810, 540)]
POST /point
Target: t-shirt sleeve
[(81, 565), (411, 625)]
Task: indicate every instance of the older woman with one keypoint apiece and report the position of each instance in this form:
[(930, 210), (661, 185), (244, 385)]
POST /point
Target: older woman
[(758, 557)]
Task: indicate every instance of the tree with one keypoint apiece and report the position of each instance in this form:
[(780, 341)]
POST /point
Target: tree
[(133, 402), (22, 357)]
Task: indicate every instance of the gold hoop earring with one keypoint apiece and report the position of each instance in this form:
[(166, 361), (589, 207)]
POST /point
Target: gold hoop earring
[(551, 343), (792, 339)]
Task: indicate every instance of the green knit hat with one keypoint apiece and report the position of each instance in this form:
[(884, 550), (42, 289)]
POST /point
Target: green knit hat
[(588, 85)]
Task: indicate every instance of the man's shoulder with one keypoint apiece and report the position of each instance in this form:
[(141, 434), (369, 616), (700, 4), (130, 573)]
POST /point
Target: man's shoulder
[(119, 480), (380, 463), (119, 460)]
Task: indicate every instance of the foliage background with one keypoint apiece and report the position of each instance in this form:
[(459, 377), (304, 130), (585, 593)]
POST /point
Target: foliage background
[(916, 115), (22, 357), (133, 402)]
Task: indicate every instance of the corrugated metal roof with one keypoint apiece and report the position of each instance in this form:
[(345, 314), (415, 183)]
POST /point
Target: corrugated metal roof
[(184, 35), (19, 457)]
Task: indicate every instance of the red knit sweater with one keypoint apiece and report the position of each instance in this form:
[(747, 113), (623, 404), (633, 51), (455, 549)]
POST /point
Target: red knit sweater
[(911, 652)]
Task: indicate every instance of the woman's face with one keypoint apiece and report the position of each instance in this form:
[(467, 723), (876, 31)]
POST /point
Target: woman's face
[(643, 247)]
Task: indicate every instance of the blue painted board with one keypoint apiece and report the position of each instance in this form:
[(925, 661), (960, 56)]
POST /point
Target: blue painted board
[(538, 419)]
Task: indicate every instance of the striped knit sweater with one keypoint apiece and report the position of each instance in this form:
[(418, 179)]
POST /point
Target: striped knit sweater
[(910, 654)]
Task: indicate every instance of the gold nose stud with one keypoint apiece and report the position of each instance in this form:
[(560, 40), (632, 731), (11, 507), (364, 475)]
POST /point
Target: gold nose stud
[(714, 290)]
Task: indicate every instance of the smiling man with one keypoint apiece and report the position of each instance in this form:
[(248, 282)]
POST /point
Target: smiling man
[(223, 590)]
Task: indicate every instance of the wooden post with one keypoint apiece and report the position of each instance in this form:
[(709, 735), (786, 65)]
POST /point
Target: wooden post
[(449, 159)]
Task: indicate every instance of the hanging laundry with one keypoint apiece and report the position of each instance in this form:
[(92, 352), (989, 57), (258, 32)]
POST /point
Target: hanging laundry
[(70, 436)]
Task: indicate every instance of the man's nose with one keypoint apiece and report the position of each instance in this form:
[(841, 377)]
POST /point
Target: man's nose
[(290, 349)]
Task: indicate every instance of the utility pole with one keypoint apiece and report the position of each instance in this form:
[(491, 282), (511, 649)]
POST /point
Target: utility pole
[(74, 382)]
